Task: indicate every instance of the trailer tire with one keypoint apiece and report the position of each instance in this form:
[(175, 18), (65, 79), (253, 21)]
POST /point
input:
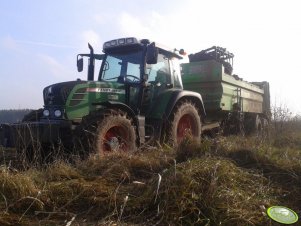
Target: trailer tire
[(254, 125), (185, 121), (264, 133), (259, 126)]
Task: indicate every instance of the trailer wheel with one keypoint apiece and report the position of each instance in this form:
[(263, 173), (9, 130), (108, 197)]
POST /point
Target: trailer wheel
[(185, 122), (259, 126), (265, 127), (253, 125), (262, 129)]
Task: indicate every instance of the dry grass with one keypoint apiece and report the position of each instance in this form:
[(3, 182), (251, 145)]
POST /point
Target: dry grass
[(223, 181), (212, 191)]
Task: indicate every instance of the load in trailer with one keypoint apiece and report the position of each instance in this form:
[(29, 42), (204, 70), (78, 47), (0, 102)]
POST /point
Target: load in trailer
[(139, 95)]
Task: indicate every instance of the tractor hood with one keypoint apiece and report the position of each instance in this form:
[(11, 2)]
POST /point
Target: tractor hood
[(57, 94), (77, 98), (75, 92), (84, 97)]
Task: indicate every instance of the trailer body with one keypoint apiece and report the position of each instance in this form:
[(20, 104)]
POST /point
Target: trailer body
[(228, 99), (222, 92)]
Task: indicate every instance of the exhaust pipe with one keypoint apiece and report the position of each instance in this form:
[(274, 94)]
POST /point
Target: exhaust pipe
[(91, 64)]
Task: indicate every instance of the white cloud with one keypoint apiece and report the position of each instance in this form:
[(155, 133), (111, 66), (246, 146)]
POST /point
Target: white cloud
[(9, 43), (133, 26), (102, 18), (45, 44), (54, 68), (12, 44)]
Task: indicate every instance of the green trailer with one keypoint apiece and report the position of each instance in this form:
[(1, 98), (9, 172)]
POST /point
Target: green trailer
[(210, 74)]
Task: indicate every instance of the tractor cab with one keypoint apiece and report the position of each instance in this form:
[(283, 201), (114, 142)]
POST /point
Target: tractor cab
[(144, 71)]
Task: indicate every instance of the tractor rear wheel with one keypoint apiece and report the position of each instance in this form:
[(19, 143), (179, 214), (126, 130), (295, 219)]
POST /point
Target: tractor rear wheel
[(185, 122)]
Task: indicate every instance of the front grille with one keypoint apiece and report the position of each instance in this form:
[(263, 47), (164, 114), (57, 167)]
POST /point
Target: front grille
[(65, 91), (78, 96), (57, 94)]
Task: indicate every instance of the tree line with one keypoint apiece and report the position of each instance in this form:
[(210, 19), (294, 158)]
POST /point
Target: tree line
[(11, 116)]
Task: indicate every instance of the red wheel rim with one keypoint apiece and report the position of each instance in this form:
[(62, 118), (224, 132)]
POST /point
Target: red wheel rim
[(115, 139), (185, 127)]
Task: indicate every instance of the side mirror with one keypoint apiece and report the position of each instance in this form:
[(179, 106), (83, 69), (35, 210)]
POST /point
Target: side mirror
[(80, 64), (152, 54)]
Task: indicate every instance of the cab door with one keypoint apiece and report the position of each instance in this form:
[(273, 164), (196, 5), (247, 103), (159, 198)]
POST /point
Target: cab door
[(159, 80)]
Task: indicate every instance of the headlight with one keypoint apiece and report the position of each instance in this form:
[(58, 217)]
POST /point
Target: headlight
[(130, 40), (107, 44), (121, 41), (113, 42), (57, 113), (46, 113)]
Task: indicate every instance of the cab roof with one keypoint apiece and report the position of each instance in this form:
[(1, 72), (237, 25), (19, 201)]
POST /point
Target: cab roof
[(132, 42)]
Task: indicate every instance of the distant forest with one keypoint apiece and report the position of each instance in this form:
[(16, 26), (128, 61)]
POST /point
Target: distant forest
[(11, 116)]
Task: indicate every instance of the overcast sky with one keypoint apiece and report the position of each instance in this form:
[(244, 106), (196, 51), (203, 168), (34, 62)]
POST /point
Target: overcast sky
[(39, 40)]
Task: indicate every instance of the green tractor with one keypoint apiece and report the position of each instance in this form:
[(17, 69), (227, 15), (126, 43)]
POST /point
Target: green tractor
[(136, 97)]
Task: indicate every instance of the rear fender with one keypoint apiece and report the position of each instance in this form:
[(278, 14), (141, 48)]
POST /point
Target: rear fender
[(176, 97), (182, 95)]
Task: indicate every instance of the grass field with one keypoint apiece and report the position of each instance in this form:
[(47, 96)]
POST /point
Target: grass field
[(224, 181)]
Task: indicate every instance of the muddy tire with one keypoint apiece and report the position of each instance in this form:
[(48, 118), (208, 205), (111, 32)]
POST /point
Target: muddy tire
[(253, 125), (115, 133), (107, 132), (264, 133), (259, 126), (185, 121)]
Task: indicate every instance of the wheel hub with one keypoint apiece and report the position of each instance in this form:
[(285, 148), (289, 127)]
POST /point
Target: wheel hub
[(114, 143), (184, 127), (115, 139)]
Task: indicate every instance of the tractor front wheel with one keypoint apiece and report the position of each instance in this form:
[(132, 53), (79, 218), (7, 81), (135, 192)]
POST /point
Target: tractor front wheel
[(115, 133)]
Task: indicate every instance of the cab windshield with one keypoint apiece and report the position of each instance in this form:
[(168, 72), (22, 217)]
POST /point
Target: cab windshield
[(122, 67)]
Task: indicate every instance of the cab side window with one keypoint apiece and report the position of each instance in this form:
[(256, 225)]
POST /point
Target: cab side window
[(159, 72), (176, 73)]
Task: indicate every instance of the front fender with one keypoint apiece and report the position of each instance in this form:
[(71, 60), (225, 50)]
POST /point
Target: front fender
[(139, 121), (117, 105)]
